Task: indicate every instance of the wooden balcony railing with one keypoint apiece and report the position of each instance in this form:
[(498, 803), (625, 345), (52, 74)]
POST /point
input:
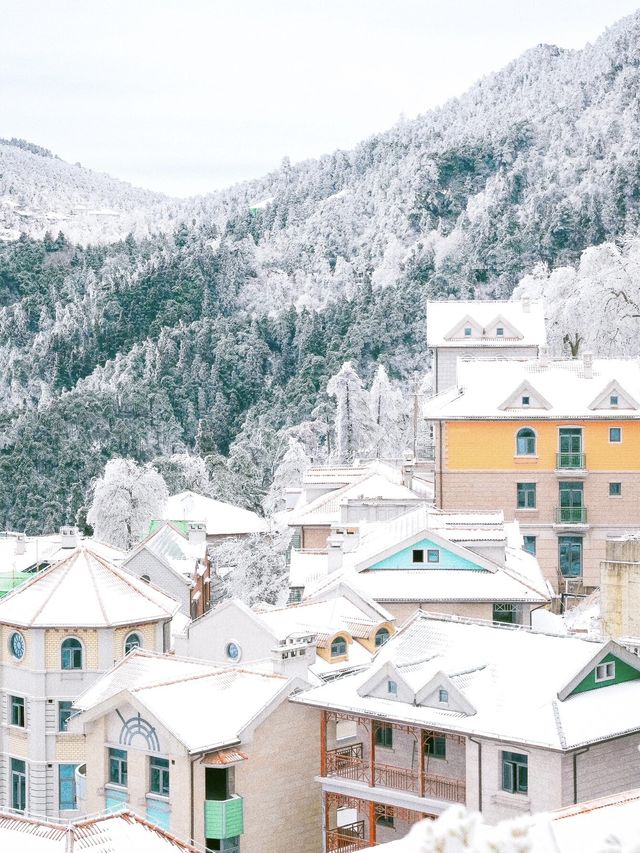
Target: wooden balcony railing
[(347, 839), (349, 763)]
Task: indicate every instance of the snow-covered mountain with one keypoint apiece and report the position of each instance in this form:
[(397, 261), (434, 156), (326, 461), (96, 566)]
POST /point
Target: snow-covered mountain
[(217, 322)]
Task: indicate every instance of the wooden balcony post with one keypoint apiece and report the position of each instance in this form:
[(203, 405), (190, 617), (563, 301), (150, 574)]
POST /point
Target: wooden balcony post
[(422, 744), (372, 756), (372, 823), (323, 743)]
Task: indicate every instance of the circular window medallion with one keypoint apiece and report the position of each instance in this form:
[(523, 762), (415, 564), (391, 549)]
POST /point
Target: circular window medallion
[(16, 644), (233, 651)]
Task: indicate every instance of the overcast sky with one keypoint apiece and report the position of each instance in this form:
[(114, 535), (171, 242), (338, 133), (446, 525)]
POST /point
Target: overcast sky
[(186, 96)]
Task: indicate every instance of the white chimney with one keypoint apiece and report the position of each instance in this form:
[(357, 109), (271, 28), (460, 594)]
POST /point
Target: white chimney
[(587, 365), (21, 544), (295, 655), (197, 532), (347, 535), (526, 305), (291, 497), (334, 553), (69, 536), (543, 356)]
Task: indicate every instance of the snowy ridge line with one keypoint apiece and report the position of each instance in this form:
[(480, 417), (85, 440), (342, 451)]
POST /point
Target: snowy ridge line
[(467, 620)]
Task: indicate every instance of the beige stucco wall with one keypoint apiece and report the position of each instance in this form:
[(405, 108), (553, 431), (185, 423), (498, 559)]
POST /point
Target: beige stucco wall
[(473, 609), (87, 636), (147, 633)]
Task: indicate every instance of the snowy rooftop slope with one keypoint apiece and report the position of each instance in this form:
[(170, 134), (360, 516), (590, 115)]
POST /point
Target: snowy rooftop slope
[(486, 388), (172, 548), (326, 508), (167, 685), (509, 678), (222, 519), (39, 549), (444, 318), (113, 833), (85, 590)]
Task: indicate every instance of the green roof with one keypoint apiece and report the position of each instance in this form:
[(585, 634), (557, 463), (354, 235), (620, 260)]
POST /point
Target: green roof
[(11, 581), (156, 524)]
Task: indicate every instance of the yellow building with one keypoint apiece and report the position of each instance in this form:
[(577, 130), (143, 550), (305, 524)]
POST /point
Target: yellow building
[(554, 444)]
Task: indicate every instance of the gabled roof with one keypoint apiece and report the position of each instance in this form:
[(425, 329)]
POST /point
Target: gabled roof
[(204, 706), (564, 385), (625, 400), (511, 676), (514, 400), (121, 832), (222, 519), (523, 328), (85, 590), (172, 548)]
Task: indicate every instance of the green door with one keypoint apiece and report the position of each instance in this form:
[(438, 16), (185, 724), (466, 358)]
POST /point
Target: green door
[(572, 510), (570, 548), (570, 455)]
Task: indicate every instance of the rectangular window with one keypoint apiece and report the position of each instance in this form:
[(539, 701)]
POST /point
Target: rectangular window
[(613, 401), (615, 435), (526, 493), (392, 687), (615, 490), (443, 695), (384, 735), (571, 509), (18, 785), (507, 614), (467, 331), (67, 787), (570, 556), (64, 712), (159, 776), (606, 671), (436, 747), (17, 711), (515, 773), (417, 555), (526, 400), (529, 544), (433, 555), (118, 766), (500, 332), (385, 820)]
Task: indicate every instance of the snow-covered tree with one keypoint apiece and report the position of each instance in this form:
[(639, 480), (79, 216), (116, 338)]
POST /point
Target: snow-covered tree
[(353, 424), (288, 473), (387, 413), (125, 499), (184, 472), (254, 569)]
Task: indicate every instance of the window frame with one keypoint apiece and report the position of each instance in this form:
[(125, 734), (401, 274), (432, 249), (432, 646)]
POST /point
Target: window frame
[(532, 540), (18, 775), (62, 711), (515, 772), (64, 806), (118, 760), (18, 707), (73, 650), (433, 555), (415, 559), (127, 642), (526, 489), (613, 397), (443, 695), (377, 641), (618, 440), (500, 332), (613, 493), (392, 687), (439, 751), (606, 677), (338, 642), (468, 332), (533, 437), (384, 735), (162, 772)]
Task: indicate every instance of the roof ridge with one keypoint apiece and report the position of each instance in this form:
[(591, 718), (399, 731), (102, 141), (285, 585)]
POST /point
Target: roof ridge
[(95, 587), (558, 722), (70, 560)]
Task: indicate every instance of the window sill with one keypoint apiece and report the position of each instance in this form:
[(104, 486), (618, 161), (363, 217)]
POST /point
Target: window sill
[(515, 801), (162, 798), (113, 786), (524, 459)]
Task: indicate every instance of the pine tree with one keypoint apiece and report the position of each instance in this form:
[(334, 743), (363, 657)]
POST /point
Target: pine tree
[(387, 414), (353, 425)]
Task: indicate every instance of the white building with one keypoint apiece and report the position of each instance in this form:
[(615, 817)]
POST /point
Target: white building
[(221, 519), (58, 633)]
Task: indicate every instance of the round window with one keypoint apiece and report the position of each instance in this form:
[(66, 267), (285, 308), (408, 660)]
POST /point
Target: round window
[(16, 643), (233, 651)]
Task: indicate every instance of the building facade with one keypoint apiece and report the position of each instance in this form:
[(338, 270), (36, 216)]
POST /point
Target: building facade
[(58, 633)]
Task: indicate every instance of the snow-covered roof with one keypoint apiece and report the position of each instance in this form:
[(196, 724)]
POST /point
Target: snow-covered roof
[(326, 509), (85, 590), (587, 826), (223, 700), (493, 388), (510, 678), (173, 548), (222, 519), (522, 327), (46, 549), (121, 832)]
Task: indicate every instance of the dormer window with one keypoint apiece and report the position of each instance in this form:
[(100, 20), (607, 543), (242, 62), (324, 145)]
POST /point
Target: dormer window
[(433, 555), (392, 688), (467, 331), (338, 647), (606, 671), (613, 401), (526, 400), (500, 332), (417, 555), (443, 695)]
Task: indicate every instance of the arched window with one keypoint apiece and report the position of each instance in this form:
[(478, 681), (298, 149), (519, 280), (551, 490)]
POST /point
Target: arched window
[(71, 653), (382, 635), (338, 647), (145, 578), (526, 442), (133, 641)]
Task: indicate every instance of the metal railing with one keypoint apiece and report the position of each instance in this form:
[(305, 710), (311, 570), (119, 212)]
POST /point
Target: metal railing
[(347, 838), (452, 790), (570, 460), (348, 762), (571, 515)]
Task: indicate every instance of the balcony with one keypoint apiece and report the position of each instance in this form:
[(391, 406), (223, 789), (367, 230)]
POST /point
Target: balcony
[(348, 763), (569, 515), (224, 818), (566, 461), (347, 838)]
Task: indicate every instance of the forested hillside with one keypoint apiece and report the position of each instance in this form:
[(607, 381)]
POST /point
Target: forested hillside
[(214, 324)]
